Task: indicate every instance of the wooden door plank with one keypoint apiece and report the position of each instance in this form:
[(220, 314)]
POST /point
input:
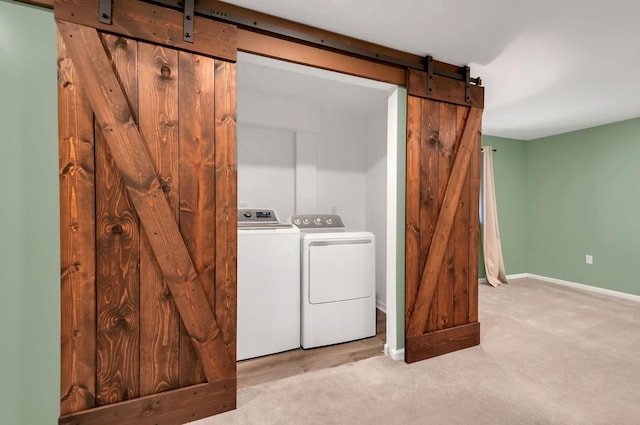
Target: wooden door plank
[(127, 148), (412, 213), (197, 187), (429, 190), (124, 57), (443, 295), (226, 203), (474, 228), (118, 242), (443, 227), (154, 23), (77, 240), (117, 284), (443, 89), (158, 121), (170, 407), (442, 341), (460, 239)]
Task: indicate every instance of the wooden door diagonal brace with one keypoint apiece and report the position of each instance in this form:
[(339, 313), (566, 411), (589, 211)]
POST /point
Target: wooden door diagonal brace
[(114, 116), (428, 282)]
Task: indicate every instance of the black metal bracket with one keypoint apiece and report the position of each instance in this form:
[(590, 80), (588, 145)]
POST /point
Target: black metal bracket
[(104, 12), (429, 65), (189, 8), (467, 84)]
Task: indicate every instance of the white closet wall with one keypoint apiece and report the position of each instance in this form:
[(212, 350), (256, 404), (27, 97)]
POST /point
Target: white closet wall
[(327, 165), (376, 194), (266, 169)]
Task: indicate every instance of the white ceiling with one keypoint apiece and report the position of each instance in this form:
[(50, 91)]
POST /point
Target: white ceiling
[(548, 66)]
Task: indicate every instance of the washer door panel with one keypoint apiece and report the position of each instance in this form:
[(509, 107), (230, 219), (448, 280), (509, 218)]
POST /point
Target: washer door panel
[(340, 270)]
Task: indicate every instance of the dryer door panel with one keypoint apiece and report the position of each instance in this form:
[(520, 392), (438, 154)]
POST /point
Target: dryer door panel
[(340, 270)]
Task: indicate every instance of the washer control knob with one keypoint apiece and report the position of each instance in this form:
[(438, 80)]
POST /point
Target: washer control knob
[(296, 221), (247, 214), (329, 221), (305, 221), (318, 220)]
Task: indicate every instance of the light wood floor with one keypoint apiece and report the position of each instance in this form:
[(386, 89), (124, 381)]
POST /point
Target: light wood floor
[(295, 362)]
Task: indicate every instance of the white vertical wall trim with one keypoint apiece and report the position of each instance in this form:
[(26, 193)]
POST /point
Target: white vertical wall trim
[(306, 172), (391, 348), (397, 355)]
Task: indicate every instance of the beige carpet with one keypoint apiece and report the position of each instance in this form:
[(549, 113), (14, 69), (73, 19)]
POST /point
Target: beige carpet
[(549, 355)]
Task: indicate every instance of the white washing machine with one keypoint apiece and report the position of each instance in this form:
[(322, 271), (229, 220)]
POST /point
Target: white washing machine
[(268, 284), (338, 294)]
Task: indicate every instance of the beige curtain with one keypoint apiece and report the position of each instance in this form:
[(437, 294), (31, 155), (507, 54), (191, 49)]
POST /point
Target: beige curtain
[(493, 262)]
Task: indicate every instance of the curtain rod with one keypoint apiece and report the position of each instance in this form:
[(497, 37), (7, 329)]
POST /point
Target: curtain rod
[(493, 150)]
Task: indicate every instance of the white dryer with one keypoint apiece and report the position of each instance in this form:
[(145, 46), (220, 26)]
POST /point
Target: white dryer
[(338, 296), (268, 284)]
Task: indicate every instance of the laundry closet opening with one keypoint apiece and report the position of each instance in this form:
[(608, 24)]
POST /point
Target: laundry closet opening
[(311, 141)]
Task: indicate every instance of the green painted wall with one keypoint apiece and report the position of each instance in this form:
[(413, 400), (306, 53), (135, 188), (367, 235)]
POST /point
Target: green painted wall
[(29, 223), (565, 196), (510, 179), (584, 198)]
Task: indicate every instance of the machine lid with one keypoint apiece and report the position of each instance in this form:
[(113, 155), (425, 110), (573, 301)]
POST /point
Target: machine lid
[(317, 221)]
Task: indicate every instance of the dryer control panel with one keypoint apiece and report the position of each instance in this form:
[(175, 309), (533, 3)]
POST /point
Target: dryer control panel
[(317, 221)]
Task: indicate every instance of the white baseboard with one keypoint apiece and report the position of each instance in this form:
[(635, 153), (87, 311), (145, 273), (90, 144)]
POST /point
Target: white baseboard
[(397, 355), (580, 286), (382, 306), (587, 288), (509, 276)]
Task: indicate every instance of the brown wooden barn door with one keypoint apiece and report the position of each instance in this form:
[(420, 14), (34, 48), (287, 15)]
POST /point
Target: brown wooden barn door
[(443, 178), (148, 215)]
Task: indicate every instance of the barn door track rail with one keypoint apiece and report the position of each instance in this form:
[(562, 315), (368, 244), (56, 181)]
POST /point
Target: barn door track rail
[(282, 32)]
